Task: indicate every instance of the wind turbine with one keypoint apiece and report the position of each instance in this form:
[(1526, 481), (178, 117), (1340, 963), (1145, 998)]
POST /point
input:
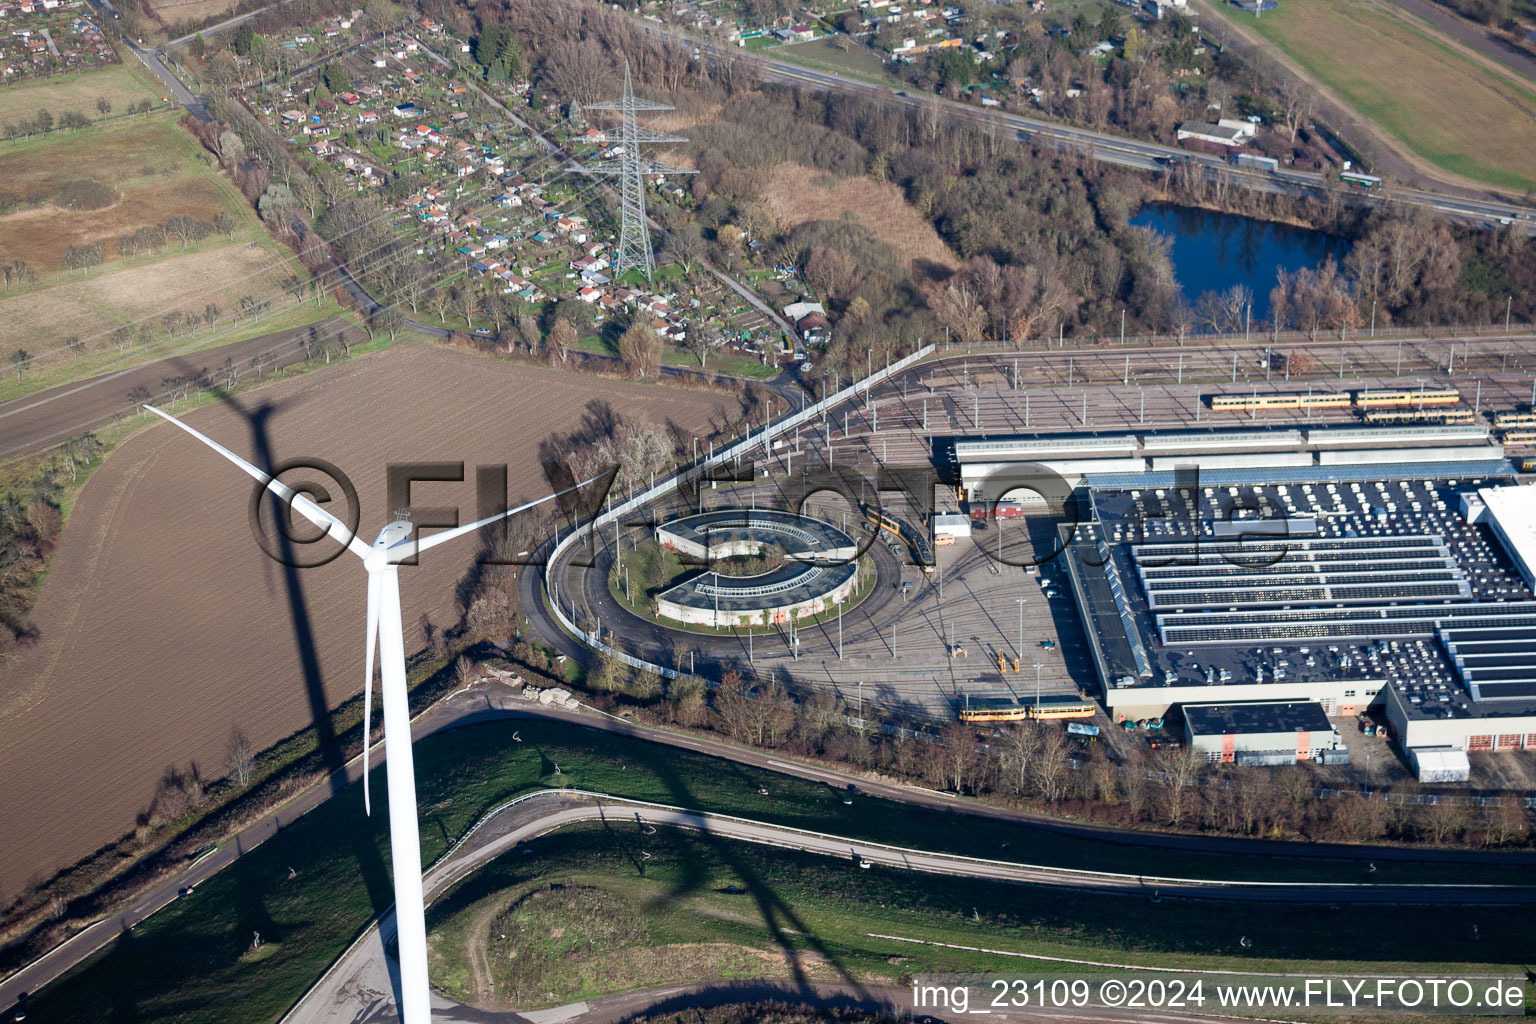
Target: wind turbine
[(385, 627)]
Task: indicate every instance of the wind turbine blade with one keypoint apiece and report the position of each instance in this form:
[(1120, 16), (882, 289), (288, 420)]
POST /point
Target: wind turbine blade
[(447, 535), (373, 636), (333, 527)]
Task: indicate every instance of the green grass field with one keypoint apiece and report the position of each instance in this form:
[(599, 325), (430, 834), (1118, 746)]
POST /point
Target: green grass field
[(106, 358), (118, 84), (159, 172), (1445, 107), (585, 915), (187, 963), (858, 60), (736, 366)]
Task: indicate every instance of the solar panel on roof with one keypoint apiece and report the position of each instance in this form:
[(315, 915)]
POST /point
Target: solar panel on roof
[(1524, 690)]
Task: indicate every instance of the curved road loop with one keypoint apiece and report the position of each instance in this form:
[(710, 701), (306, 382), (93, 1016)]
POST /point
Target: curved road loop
[(358, 987), (495, 702)]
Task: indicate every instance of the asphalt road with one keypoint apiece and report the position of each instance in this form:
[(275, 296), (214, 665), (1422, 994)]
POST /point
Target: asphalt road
[(1469, 33), (895, 1001), (45, 418), (358, 987), (1480, 208), (484, 703)]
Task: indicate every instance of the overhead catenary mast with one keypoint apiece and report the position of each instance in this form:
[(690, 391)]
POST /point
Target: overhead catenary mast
[(634, 231)]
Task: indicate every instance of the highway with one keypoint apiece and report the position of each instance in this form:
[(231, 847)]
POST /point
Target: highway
[(53, 415), (488, 701), (1118, 149), (356, 988)]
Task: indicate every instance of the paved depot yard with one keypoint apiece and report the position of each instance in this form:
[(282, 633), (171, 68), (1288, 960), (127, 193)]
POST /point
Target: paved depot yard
[(896, 644)]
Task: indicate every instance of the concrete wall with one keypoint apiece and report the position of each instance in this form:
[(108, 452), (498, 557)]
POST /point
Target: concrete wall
[(777, 613), (1269, 460), (1457, 733), (1154, 701), (1212, 746)]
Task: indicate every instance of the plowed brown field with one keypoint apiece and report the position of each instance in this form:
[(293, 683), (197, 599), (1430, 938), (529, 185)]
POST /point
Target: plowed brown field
[(162, 624)]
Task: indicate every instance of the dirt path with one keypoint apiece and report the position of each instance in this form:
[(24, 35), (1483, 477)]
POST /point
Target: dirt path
[(45, 418), (162, 625), (1430, 17), (1400, 161), (481, 981)]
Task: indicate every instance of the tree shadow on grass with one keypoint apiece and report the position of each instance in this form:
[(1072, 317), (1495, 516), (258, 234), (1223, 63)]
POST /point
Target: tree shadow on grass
[(789, 931), (370, 863)]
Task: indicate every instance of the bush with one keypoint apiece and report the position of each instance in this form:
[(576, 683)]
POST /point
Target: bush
[(85, 194)]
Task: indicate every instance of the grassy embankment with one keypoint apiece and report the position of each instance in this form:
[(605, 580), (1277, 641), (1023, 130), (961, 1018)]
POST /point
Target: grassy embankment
[(159, 172), (118, 84), (1444, 106), (189, 963), (585, 916)]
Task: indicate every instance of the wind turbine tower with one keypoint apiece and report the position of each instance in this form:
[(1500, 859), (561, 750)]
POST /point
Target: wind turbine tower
[(386, 636), (634, 232)]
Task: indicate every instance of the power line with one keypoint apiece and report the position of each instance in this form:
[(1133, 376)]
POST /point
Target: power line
[(634, 235)]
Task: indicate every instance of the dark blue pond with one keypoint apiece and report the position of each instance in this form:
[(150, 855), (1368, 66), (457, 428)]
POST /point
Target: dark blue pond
[(1214, 251)]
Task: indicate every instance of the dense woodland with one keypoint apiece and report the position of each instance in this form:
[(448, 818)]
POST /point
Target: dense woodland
[(1039, 765), (31, 518), (1044, 235)]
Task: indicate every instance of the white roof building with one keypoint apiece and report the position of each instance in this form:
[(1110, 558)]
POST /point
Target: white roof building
[(1511, 514)]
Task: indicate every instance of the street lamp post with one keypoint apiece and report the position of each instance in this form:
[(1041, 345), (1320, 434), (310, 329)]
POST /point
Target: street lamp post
[(1038, 667), (1020, 602)]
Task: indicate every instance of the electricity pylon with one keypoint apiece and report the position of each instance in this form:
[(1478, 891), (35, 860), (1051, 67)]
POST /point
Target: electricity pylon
[(634, 230)]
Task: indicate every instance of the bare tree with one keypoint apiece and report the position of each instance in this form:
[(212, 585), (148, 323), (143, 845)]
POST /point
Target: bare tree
[(958, 308), (1050, 766), (1359, 819), (953, 756), (1506, 823), (1250, 789), (1020, 746), (239, 757), (1180, 769), (1225, 311), (640, 349), (528, 332), (1446, 819), (561, 339), (685, 246), (580, 70), (700, 339)]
